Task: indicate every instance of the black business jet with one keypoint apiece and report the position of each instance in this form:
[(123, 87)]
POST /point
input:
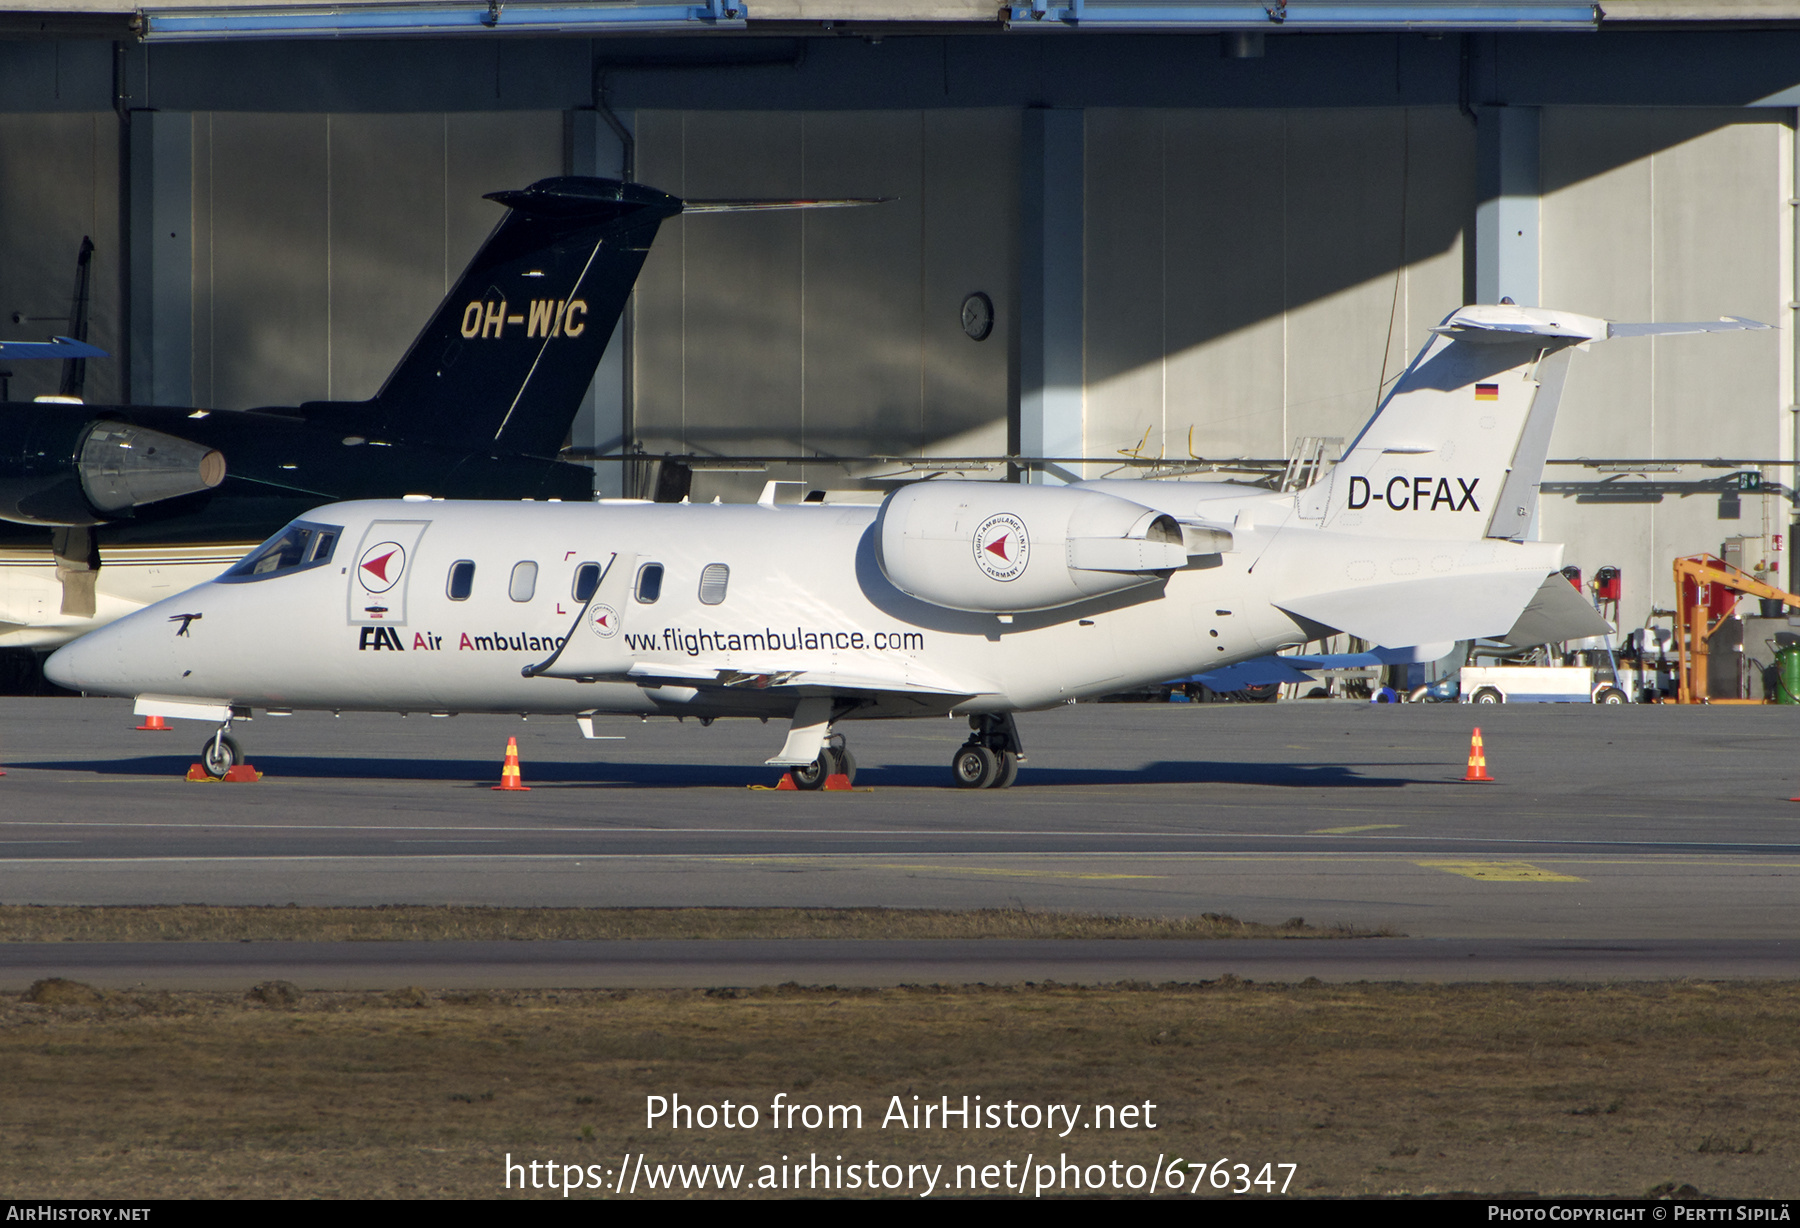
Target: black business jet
[(479, 407)]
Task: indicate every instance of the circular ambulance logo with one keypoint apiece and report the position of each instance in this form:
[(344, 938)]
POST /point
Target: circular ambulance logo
[(1001, 547), (380, 566), (604, 620)]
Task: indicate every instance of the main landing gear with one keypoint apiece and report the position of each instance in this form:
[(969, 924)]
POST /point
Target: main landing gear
[(834, 760), (991, 757)]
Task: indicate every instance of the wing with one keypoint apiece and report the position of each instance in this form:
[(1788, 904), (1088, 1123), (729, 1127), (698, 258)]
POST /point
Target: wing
[(57, 347)]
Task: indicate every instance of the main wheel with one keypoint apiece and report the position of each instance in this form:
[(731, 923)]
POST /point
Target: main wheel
[(813, 775), (1609, 695), (1488, 695), (220, 755), (846, 763), (974, 767), (1008, 771)]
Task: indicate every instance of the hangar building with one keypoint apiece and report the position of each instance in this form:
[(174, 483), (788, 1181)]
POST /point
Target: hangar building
[(1204, 228)]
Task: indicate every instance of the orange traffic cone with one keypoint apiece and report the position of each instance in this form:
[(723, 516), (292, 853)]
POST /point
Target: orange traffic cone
[(509, 774), (1477, 772), (154, 724), (787, 782)]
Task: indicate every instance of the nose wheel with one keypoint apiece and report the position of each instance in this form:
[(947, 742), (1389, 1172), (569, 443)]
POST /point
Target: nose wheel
[(220, 754), (991, 757)]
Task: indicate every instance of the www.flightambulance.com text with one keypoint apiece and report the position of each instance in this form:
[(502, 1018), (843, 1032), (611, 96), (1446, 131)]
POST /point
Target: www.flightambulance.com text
[(783, 1120)]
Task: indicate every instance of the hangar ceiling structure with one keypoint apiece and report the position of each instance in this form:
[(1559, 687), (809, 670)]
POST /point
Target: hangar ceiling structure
[(1201, 224)]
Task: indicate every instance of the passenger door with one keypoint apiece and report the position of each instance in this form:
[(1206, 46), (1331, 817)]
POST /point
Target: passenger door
[(380, 570)]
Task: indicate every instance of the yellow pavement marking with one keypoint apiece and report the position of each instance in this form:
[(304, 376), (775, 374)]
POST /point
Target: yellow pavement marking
[(1344, 831), (942, 869), (1501, 871)]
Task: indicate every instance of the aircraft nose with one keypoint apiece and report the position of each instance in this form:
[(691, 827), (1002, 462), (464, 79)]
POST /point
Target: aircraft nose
[(70, 666), (98, 662)]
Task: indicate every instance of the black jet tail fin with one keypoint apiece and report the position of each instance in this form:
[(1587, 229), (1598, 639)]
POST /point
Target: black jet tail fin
[(510, 352)]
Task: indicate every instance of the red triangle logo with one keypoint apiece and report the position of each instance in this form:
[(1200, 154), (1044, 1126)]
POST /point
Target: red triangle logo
[(379, 566), (998, 546), (603, 622)]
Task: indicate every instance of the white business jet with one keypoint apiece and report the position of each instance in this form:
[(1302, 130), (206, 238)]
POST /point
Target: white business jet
[(981, 599)]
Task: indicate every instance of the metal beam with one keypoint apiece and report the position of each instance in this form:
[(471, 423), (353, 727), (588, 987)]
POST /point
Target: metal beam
[(1051, 251), (1506, 210), (1336, 16), (190, 25), (161, 226), (603, 423)]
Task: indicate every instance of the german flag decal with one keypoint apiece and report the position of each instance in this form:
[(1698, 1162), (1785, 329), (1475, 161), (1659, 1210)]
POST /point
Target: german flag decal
[(1487, 392)]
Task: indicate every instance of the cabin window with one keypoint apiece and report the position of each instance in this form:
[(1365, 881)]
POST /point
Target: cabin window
[(462, 580), (524, 581), (298, 547), (587, 579), (649, 583), (713, 582)]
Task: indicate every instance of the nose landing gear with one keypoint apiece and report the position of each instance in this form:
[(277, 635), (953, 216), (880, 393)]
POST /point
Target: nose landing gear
[(991, 757), (221, 753), (835, 759)]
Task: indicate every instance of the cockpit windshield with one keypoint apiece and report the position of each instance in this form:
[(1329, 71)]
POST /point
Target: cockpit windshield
[(299, 546)]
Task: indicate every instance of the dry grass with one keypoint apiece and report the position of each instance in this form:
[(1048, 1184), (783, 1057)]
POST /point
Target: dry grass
[(198, 923), (1369, 1088)]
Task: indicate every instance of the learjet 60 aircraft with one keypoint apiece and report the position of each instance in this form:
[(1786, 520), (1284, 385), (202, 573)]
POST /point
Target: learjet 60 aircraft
[(980, 599)]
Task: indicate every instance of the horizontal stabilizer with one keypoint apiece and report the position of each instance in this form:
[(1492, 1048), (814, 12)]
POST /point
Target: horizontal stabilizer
[(1426, 611), (1556, 613), (1504, 322), (1724, 324), (764, 206)]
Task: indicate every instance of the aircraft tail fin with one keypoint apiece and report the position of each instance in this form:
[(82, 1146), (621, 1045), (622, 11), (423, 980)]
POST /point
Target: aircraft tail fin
[(1457, 448), (510, 352)]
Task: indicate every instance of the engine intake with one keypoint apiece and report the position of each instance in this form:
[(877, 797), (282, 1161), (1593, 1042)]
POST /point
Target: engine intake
[(997, 548), (74, 472)]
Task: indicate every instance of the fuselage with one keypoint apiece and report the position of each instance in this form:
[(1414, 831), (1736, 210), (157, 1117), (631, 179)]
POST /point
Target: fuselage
[(795, 603)]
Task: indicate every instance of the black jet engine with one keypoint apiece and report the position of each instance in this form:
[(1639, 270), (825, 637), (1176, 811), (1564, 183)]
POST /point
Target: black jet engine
[(76, 471)]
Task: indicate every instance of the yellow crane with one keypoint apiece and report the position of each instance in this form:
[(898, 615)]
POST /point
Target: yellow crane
[(1707, 590)]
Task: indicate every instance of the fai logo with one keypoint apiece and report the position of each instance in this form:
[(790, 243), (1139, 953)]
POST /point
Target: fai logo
[(604, 620), (1001, 547), (380, 566)]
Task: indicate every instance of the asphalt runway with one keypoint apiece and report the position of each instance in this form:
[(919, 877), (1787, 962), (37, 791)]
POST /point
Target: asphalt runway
[(1639, 823)]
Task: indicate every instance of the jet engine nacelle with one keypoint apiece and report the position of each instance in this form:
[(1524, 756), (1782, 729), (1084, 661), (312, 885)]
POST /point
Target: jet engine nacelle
[(999, 548), (76, 472)]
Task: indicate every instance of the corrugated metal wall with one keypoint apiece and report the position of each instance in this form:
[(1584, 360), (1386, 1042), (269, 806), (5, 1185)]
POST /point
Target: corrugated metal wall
[(322, 243), (1255, 275), (59, 181), (834, 330), (1667, 215)]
